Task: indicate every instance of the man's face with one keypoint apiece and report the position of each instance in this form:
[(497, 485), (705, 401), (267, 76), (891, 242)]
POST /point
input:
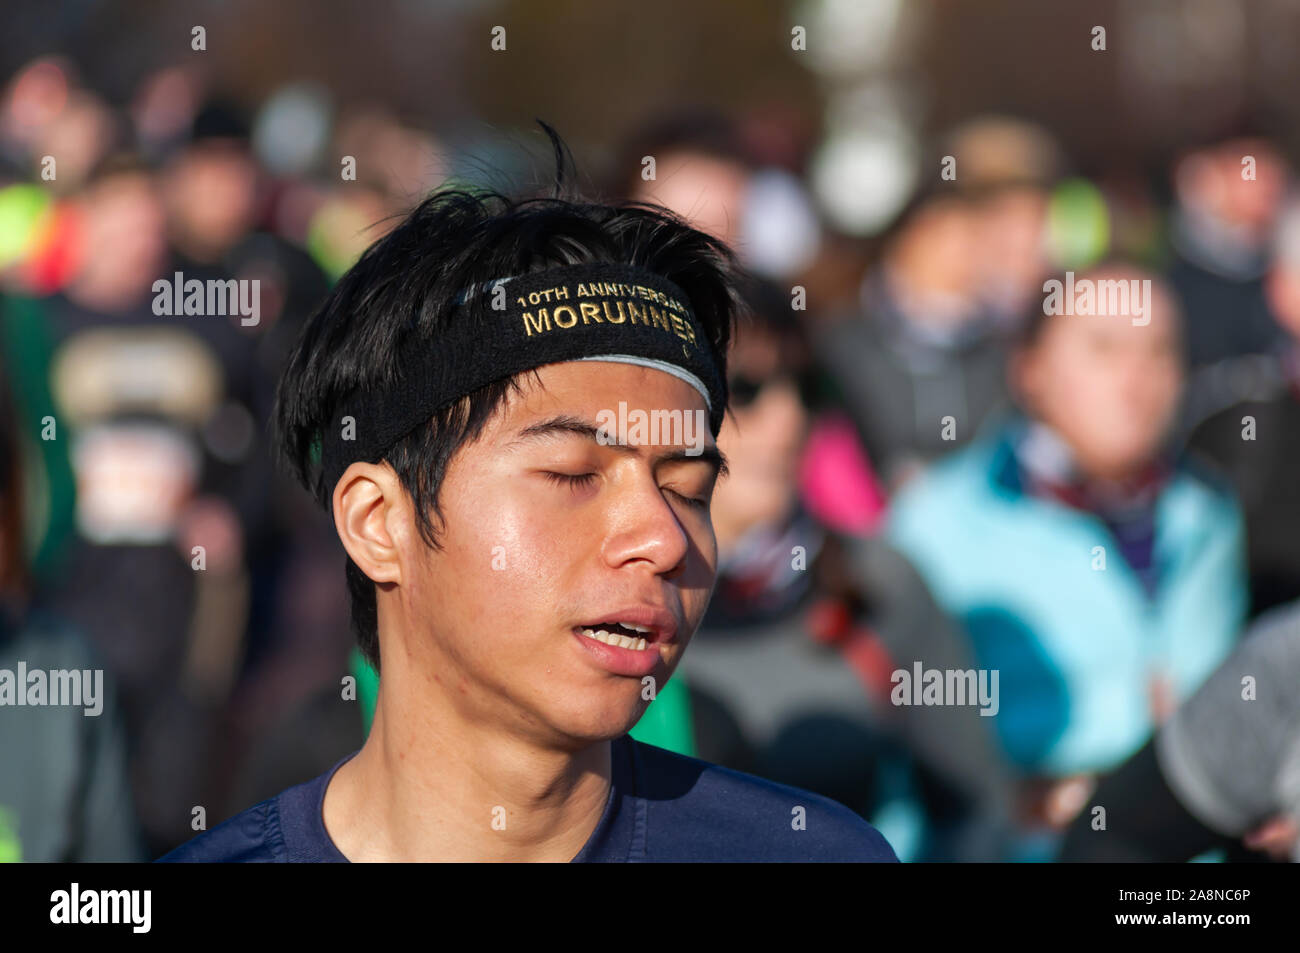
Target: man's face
[(124, 231), (1243, 191), (1107, 386), (212, 192), (547, 532)]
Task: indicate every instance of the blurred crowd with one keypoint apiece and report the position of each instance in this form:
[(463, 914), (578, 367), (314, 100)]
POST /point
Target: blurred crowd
[(928, 472)]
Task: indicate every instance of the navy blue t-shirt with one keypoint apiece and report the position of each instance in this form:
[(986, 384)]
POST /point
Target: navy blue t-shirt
[(662, 807)]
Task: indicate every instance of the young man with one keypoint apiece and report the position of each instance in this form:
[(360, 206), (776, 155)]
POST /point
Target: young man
[(526, 569)]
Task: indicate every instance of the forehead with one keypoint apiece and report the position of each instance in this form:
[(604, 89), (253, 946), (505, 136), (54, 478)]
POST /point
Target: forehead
[(587, 389), (1122, 305), (1116, 330), (1021, 200), (126, 186)]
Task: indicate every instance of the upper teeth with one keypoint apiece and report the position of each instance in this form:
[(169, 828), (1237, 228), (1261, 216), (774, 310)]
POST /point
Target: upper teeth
[(622, 641)]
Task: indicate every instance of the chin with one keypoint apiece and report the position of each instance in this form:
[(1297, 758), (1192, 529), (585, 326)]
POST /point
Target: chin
[(596, 723)]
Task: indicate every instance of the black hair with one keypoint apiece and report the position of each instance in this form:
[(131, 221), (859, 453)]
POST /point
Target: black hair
[(407, 283), (221, 119), (1028, 331), (767, 312), (766, 309)]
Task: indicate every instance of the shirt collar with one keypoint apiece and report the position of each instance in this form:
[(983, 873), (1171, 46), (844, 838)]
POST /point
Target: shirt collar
[(612, 841)]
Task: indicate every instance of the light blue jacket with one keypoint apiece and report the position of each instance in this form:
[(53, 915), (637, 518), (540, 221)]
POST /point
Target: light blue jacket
[(1073, 643)]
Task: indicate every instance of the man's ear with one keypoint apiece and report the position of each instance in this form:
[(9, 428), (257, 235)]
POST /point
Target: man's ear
[(370, 516)]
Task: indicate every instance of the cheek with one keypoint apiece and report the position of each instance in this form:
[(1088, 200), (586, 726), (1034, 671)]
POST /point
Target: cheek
[(1082, 403), (1168, 379), (1074, 387), (509, 556), (697, 582), (1162, 400)]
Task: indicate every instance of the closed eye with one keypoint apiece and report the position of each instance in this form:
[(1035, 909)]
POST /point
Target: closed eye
[(691, 501), (580, 480), (571, 480)]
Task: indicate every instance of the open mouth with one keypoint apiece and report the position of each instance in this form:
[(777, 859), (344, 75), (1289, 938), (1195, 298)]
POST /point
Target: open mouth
[(623, 635)]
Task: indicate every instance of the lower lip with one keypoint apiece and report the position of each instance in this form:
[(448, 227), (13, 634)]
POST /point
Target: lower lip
[(620, 661)]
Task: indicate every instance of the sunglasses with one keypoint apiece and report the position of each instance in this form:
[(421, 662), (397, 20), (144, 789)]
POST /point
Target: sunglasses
[(744, 390)]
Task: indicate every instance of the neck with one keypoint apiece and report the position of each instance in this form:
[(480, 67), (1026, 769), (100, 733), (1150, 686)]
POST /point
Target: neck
[(1045, 454), (433, 785)]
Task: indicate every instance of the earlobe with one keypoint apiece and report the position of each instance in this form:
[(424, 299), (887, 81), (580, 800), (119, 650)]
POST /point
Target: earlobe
[(367, 505)]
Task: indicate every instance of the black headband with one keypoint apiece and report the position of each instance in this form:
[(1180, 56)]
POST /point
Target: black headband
[(592, 312)]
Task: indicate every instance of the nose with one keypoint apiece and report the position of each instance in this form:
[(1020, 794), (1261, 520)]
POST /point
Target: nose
[(644, 529)]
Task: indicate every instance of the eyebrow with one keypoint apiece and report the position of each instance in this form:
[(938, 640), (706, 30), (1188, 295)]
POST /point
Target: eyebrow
[(568, 425)]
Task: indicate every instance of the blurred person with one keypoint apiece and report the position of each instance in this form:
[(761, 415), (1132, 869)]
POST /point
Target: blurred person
[(1008, 166), (701, 170), (1244, 417), (609, 556), (1222, 774), (1102, 577), (140, 397), (121, 247), (215, 193), (210, 186), (84, 132), (30, 104), (918, 361), (806, 626), (64, 792), (1227, 195)]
